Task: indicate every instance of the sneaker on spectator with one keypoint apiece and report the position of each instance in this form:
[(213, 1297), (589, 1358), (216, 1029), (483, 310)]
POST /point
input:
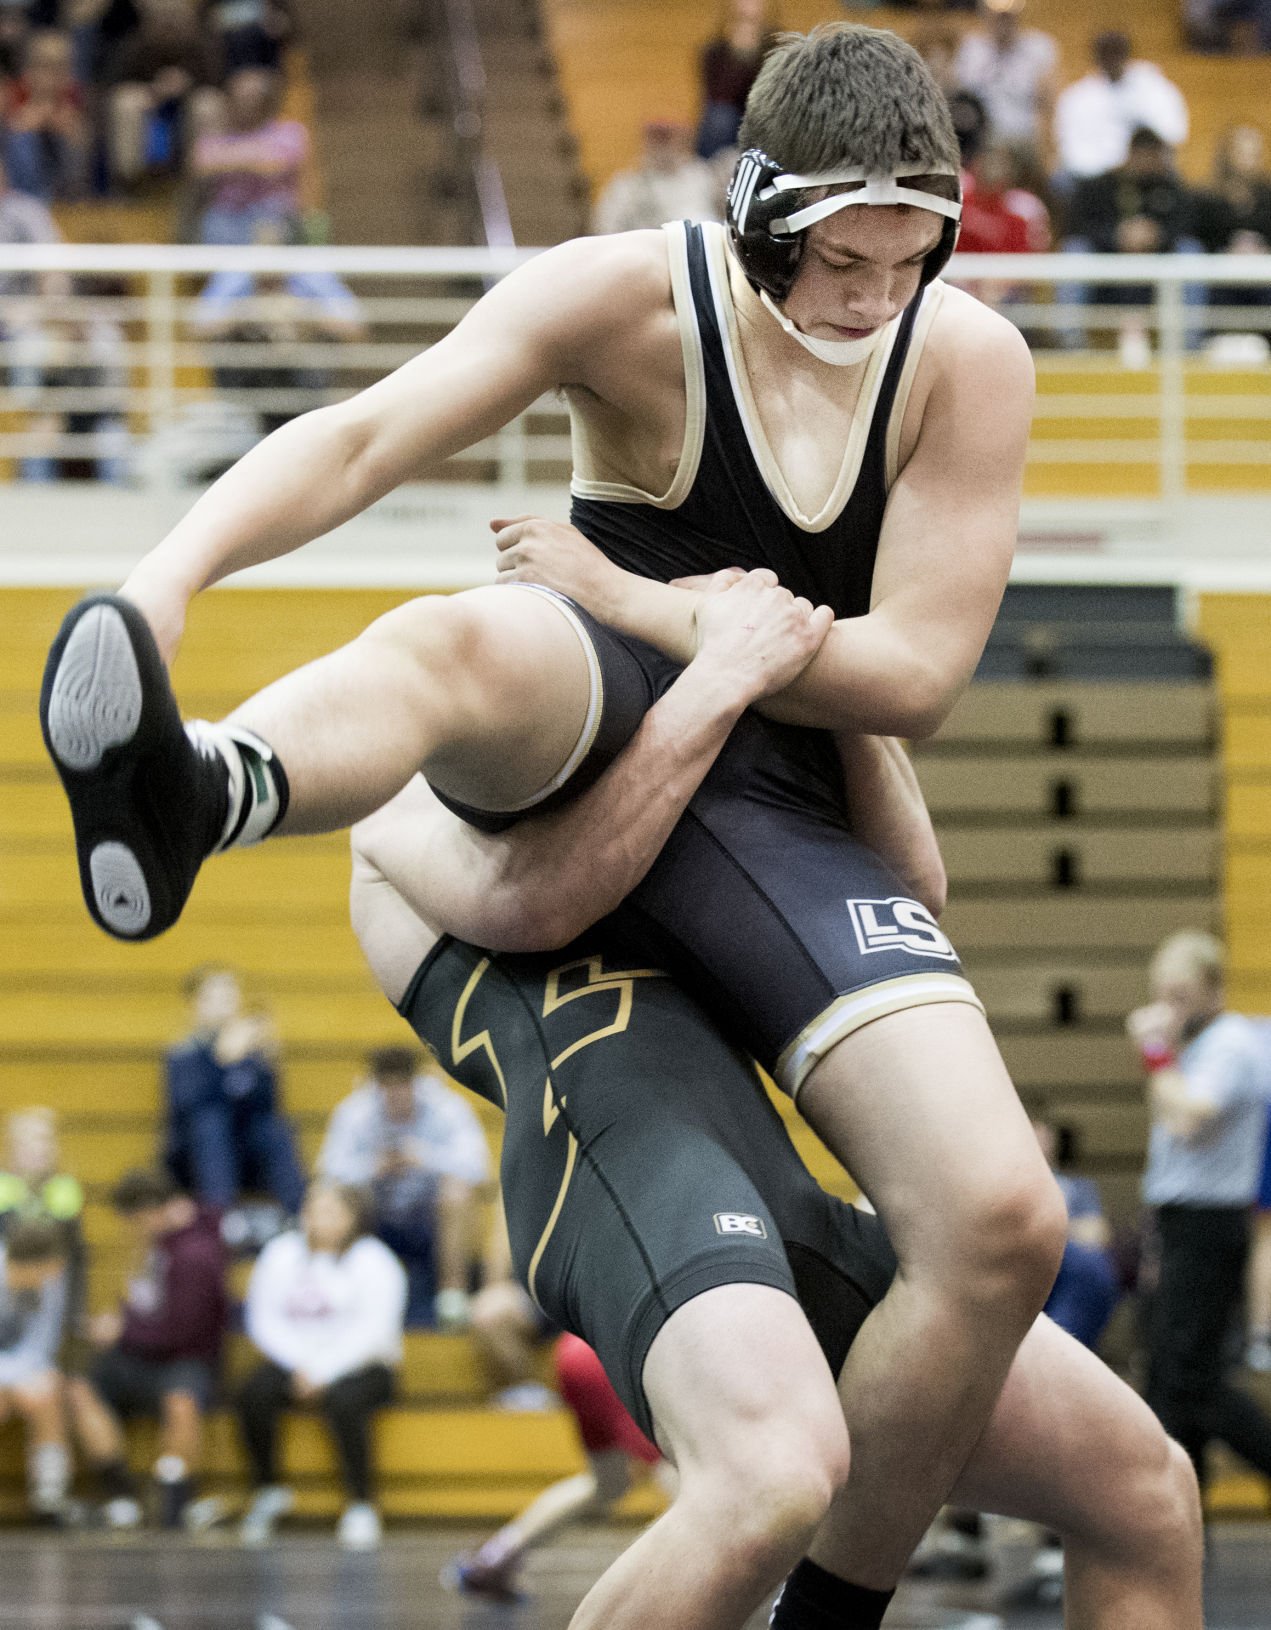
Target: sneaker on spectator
[(525, 1398), (451, 1309), (359, 1528), (269, 1504), (200, 1515), (122, 1514), (471, 1575)]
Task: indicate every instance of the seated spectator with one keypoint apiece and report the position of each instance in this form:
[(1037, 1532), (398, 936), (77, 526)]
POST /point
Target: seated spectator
[(420, 1149), (251, 33), (33, 1187), (163, 94), (226, 1135), (937, 44), (160, 1354), (47, 138), (269, 317), (325, 1306), (32, 1315), (1013, 70), (510, 1329), (1142, 207), (1000, 218), (1087, 1289), (1233, 217), (251, 173), (669, 184), (727, 69), (81, 351), (1095, 117), (1239, 26), (970, 124)]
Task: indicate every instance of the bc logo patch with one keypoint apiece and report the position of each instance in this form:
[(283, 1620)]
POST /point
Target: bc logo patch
[(898, 924), (735, 1222)]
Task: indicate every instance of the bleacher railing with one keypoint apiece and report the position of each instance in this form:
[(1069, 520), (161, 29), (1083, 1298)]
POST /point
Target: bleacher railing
[(1154, 370)]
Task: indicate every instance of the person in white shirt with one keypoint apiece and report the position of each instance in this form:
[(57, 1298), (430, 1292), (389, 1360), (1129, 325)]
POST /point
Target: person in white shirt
[(1012, 70), (1096, 116), (325, 1306), (419, 1147), (670, 183)]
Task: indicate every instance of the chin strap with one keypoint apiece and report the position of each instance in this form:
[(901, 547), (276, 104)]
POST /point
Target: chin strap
[(838, 353)]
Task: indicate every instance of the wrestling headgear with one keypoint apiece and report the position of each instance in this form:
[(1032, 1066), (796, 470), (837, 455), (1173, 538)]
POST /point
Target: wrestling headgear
[(767, 235)]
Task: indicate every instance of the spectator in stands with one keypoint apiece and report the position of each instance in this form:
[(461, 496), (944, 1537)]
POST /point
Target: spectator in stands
[(1242, 26), (1233, 217), (325, 1306), (1087, 1289), (269, 317), (510, 1329), (32, 1315), (1096, 116), (164, 92), (1000, 217), (937, 43), (160, 1354), (80, 351), (669, 184), (1208, 1090), (252, 172), (32, 1186), (47, 137), (420, 1148), (1143, 207), (970, 124), (226, 1134), (1014, 72), (727, 69), (1258, 1356), (251, 33)]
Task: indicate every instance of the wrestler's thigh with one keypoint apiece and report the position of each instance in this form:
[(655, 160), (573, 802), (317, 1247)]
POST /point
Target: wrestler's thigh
[(1069, 1443), (919, 1107)]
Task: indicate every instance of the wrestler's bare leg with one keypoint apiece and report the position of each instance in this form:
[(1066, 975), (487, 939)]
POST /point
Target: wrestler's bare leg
[(919, 1108), (745, 1407), (1071, 1446), (486, 691)]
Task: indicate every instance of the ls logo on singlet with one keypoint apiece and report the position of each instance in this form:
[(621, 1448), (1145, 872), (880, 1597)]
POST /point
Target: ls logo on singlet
[(898, 924), (736, 1222)]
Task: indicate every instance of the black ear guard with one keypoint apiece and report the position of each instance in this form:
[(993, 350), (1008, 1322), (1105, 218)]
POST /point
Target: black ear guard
[(767, 237)]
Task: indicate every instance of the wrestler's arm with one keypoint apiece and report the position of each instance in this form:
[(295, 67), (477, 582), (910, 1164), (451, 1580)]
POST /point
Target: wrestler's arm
[(943, 559), (889, 814), (538, 885), (531, 333)]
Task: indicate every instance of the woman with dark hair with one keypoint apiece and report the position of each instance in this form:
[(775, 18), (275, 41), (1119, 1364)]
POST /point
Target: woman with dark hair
[(728, 66), (324, 1305)]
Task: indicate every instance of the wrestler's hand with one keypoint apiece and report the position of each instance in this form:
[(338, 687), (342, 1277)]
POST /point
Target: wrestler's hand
[(759, 635), (534, 550)]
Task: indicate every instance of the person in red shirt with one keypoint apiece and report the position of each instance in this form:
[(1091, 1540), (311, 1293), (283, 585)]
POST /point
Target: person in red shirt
[(1000, 218), (618, 1456), (160, 1353)]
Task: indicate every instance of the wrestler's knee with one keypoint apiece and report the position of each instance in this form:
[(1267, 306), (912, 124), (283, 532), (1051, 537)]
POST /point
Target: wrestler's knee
[(1159, 1515), (1007, 1242), (777, 1488)]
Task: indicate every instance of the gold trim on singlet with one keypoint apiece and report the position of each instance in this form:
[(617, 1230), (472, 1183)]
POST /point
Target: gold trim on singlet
[(761, 450), (588, 446), (595, 703), (917, 343), (461, 1049), (859, 1008), (531, 1277)]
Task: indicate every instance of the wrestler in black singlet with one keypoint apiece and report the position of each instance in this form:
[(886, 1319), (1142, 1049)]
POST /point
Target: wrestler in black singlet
[(643, 1163), (790, 932)]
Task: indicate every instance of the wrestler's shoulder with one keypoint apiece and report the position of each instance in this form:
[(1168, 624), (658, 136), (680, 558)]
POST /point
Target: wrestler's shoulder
[(972, 338), (617, 277)]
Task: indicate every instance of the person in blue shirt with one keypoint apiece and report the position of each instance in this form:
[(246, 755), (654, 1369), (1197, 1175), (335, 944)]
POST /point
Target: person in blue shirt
[(1086, 1289)]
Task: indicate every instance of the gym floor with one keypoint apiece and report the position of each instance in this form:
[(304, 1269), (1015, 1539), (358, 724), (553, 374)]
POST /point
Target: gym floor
[(304, 1583)]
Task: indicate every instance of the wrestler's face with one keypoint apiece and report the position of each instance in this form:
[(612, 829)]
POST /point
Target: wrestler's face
[(860, 268)]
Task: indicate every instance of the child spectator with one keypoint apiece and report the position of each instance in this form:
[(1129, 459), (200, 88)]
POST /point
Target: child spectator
[(669, 184), (160, 1354), (226, 1135), (251, 172), (1095, 117), (420, 1148), (325, 1306), (47, 135), (32, 1313), (163, 96), (727, 69), (32, 1187), (1013, 71)]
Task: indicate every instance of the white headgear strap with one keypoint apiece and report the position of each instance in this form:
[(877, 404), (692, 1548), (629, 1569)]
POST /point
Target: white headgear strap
[(840, 353), (874, 189)]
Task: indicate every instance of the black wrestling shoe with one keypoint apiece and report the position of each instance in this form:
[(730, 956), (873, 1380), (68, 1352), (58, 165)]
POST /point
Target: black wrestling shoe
[(147, 805)]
